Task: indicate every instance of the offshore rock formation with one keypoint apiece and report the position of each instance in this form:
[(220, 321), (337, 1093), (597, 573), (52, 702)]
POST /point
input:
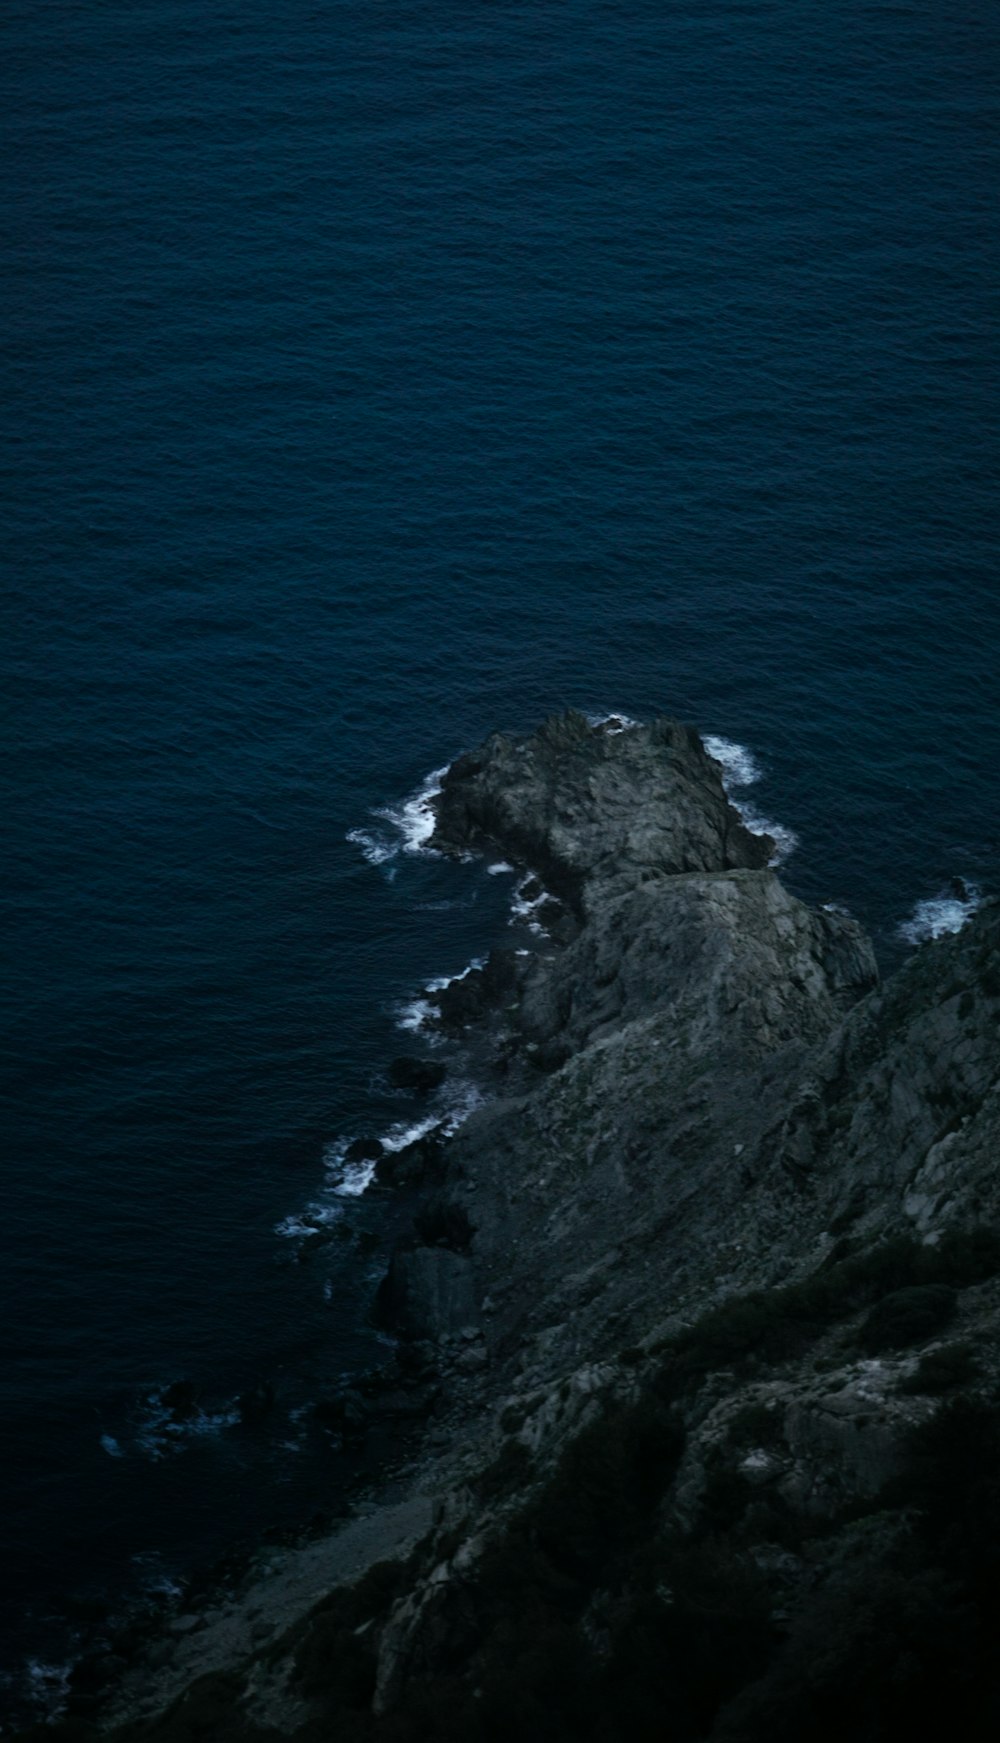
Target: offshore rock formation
[(592, 809), (707, 1301)]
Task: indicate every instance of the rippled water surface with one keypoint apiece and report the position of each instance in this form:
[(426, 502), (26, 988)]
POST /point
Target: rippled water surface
[(378, 375)]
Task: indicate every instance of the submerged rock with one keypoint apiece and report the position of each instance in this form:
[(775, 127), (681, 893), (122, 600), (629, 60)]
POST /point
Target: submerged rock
[(257, 1403), (180, 1400)]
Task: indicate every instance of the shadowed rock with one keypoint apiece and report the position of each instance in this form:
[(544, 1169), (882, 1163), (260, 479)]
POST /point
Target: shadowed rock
[(418, 1075)]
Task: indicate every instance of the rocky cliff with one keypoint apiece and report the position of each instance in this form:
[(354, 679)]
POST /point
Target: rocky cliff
[(705, 1302)]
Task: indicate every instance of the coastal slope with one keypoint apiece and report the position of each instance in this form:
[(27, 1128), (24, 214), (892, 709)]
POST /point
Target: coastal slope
[(701, 1308)]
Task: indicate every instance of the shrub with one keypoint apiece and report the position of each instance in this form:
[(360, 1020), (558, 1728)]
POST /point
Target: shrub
[(333, 1660), (908, 1316), (606, 1482), (509, 1470), (757, 1425), (773, 1325), (942, 1370)]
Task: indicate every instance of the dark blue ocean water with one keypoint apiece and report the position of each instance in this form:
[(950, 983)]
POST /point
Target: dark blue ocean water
[(377, 375)]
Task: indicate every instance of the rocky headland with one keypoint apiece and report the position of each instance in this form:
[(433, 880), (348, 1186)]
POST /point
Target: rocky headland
[(699, 1322)]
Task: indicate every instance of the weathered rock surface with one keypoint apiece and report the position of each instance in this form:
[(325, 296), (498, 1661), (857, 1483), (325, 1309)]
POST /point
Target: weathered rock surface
[(707, 1301), (588, 808)]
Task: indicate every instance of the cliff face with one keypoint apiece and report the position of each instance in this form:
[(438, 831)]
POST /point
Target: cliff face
[(709, 1297)]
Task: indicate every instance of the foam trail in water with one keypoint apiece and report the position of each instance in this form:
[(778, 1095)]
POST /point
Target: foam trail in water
[(411, 824), (524, 910), (304, 1224), (346, 1179), (740, 769), (376, 849), (938, 915), (416, 816), (415, 1015)]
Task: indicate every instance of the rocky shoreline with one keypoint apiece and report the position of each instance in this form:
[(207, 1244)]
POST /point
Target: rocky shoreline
[(678, 1303)]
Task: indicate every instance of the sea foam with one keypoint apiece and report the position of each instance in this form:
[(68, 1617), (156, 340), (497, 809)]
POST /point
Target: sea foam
[(524, 910), (740, 769), (347, 1179), (418, 1015), (938, 915), (613, 723), (403, 828)]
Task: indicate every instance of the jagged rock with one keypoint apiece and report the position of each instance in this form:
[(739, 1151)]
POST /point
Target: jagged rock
[(586, 809), (472, 1359), (480, 991), (346, 1412), (415, 1164)]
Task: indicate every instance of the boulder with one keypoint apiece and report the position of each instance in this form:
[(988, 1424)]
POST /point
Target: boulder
[(473, 995), (364, 1150), (418, 1075)]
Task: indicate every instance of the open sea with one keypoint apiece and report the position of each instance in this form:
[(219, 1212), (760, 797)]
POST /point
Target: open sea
[(377, 375)]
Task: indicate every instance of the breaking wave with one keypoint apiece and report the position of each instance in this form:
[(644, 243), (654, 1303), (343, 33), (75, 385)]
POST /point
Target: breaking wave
[(937, 916), (740, 769), (403, 828), (348, 1176)]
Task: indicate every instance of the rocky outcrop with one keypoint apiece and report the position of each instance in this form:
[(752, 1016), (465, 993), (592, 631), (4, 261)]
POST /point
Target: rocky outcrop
[(593, 808), (706, 1301)]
